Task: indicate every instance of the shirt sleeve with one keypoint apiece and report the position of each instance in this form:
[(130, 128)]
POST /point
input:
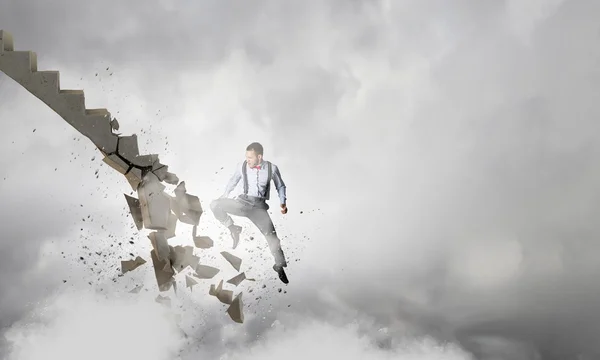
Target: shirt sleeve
[(234, 180), (279, 185)]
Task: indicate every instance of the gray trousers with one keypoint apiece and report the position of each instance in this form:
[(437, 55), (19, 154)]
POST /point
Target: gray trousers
[(256, 211)]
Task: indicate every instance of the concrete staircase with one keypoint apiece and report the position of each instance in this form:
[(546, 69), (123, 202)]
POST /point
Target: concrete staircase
[(154, 209)]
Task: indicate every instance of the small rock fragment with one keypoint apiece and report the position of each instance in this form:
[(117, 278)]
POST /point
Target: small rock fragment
[(182, 257), (236, 280), (171, 226), (155, 203), (130, 265), (224, 296), (236, 308), (203, 242), (136, 211), (235, 261), (163, 272), (205, 271), (114, 124), (160, 244), (189, 281), (136, 289)]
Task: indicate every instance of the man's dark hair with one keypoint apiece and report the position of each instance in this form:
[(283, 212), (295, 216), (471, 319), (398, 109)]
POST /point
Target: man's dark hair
[(256, 147)]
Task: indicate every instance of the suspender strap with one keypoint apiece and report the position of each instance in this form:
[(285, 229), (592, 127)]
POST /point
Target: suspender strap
[(270, 176), (245, 175)]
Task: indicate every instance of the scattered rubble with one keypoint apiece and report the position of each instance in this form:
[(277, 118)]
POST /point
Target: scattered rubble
[(235, 310), (153, 209), (190, 282), (130, 265), (205, 271), (235, 261), (236, 280)]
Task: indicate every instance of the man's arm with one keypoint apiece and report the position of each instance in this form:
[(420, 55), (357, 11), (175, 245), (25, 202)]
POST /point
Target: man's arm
[(279, 185), (235, 179)]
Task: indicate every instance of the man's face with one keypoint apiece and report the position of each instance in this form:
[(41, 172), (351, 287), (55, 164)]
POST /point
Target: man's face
[(252, 158)]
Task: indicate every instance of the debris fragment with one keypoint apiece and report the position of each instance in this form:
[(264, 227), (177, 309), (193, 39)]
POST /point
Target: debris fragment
[(206, 272), (171, 226), (136, 211), (190, 281), (130, 265), (163, 272), (236, 280), (160, 244), (236, 308), (136, 289), (203, 242), (134, 177), (154, 202), (182, 257), (114, 124), (224, 296), (235, 261), (115, 162)]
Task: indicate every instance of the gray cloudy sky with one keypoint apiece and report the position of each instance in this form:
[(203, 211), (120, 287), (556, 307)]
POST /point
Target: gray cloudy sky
[(444, 156)]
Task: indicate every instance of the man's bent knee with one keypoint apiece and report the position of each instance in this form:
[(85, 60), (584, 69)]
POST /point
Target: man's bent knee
[(215, 205)]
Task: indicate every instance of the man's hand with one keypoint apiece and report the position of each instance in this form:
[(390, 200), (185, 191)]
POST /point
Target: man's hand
[(283, 208)]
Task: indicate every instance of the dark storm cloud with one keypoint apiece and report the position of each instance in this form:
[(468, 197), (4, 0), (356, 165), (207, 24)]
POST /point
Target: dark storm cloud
[(505, 146)]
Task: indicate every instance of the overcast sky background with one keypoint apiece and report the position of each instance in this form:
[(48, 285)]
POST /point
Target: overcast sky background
[(444, 156)]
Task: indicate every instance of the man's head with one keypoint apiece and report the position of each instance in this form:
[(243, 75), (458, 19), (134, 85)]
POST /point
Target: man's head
[(254, 154)]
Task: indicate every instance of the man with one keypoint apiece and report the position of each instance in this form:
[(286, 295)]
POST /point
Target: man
[(256, 174)]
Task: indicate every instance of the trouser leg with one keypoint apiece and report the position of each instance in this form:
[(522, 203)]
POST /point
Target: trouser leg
[(262, 220), (223, 207)]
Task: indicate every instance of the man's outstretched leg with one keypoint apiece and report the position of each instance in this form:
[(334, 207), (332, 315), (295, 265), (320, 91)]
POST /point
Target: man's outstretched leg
[(263, 222), (221, 209)]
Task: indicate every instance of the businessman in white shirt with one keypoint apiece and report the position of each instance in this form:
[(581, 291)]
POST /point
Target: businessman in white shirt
[(256, 174)]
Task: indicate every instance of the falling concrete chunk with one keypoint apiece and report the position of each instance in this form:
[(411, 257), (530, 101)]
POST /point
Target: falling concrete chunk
[(163, 300), (128, 147), (175, 206), (225, 296), (136, 211), (189, 281), (203, 242), (136, 289), (206, 272), (144, 160), (160, 244), (215, 290), (134, 177), (115, 162), (182, 257), (160, 170), (171, 179), (190, 207), (235, 261), (155, 203), (236, 280), (236, 309), (163, 272), (180, 190), (114, 123), (130, 265), (172, 226)]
